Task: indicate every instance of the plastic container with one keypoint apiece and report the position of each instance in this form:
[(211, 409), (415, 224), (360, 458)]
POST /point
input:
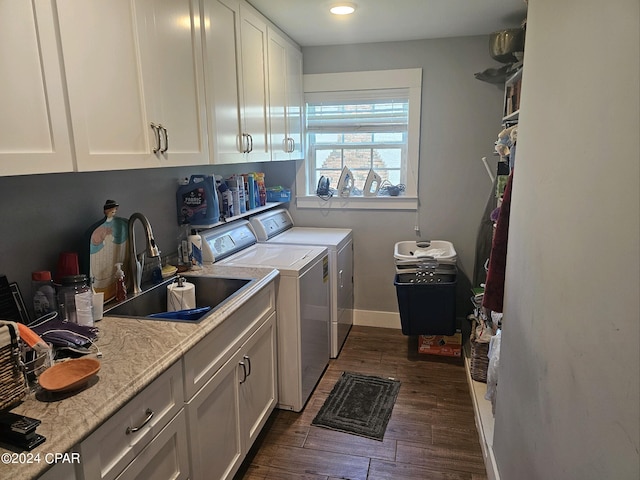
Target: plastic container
[(75, 299), (236, 183), (197, 201), (278, 194), (427, 302), (226, 196), (440, 250), (251, 188), (261, 190), (44, 293)]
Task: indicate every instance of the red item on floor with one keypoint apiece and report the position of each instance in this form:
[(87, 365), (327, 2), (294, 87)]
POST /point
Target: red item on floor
[(446, 345)]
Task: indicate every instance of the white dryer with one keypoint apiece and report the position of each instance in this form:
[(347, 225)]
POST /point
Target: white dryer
[(276, 227), (302, 303)]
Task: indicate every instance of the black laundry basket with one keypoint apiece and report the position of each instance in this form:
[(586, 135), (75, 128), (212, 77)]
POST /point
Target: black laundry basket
[(427, 300)]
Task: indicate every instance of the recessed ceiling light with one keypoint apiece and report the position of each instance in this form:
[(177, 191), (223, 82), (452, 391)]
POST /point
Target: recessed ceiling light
[(343, 9)]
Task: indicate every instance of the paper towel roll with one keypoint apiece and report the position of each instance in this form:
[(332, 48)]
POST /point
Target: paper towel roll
[(181, 297)]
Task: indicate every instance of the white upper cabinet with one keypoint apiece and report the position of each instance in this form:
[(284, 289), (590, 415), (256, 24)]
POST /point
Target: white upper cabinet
[(236, 76), (285, 98), (34, 136), (221, 47), (253, 31), (135, 80)]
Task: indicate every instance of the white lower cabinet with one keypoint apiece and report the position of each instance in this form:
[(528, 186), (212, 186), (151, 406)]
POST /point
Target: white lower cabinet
[(257, 384), (231, 388), (199, 418), (227, 414), (166, 457), (128, 434), (60, 471)]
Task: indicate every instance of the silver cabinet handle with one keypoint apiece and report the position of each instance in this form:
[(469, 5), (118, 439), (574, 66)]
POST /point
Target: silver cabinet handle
[(293, 145), (149, 413), (166, 139), (250, 149), (156, 131), (244, 146), (246, 357), (244, 371)]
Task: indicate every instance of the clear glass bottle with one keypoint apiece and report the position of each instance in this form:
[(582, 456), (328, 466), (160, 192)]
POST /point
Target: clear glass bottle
[(75, 298), (44, 293)]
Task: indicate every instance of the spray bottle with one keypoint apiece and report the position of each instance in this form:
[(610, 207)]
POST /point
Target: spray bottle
[(121, 288)]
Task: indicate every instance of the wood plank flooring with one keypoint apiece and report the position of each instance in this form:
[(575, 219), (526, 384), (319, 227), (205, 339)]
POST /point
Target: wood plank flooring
[(431, 434)]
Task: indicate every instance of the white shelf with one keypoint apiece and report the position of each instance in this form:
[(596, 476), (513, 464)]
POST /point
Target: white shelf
[(248, 213), (484, 420), (512, 117)]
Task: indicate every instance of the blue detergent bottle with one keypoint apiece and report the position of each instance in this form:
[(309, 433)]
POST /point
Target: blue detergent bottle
[(197, 201)]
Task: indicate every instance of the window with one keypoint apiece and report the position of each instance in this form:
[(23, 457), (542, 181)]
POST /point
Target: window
[(364, 121)]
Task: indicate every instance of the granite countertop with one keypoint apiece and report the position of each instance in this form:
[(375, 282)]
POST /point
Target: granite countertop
[(134, 353)]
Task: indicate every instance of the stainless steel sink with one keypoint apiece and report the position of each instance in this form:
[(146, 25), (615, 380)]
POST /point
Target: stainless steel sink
[(210, 292)]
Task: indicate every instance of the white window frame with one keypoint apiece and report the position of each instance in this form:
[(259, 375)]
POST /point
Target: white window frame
[(409, 79)]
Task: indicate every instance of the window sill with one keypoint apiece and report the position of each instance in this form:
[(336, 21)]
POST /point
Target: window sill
[(358, 203)]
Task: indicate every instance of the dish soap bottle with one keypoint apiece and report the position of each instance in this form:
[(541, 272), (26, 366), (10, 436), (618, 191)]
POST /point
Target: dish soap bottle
[(121, 288)]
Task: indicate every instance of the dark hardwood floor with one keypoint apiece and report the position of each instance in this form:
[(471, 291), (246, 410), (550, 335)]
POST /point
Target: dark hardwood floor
[(431, 434)]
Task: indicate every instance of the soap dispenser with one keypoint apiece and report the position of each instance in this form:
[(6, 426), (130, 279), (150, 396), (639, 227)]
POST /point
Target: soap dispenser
[(121, 288)]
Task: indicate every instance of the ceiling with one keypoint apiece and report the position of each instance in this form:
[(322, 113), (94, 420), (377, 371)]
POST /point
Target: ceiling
[(309, 22)]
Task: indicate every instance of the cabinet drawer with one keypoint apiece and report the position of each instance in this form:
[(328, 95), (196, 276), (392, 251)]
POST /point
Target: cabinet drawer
[(107, 451), (205, 358), (60, 471), (165, 458)]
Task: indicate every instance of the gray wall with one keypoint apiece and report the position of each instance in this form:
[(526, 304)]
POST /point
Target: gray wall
[(568, 391), (43, 215), (460, 121)]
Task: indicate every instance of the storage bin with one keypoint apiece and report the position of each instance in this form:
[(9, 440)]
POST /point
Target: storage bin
[(427, 302), (479, 361), (278, 195), (13, 387)]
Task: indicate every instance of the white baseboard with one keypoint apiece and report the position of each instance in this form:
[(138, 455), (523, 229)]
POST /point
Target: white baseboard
[(372, 318), (484, 422)]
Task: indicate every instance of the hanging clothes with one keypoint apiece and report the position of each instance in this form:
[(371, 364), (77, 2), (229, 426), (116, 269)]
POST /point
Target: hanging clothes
[(494, 289), (484, 238)]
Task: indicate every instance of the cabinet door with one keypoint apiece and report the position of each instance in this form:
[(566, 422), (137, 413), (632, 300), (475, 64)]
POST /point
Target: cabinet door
[(34, 137), (171, 52), (253, 32), (214, 429), (221, 47), (280, 143), (257, 383), (285, 98), (295, 103), (130, 64), (165, 458)]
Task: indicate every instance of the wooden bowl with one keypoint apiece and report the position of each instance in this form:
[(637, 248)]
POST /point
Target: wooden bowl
[(68, 375)]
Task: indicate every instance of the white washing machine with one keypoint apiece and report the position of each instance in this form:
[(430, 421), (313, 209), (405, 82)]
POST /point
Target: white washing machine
[(276, 227), (302, 303)]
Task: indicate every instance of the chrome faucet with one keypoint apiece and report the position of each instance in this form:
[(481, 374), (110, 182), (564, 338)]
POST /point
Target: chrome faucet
[(136, 261)]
